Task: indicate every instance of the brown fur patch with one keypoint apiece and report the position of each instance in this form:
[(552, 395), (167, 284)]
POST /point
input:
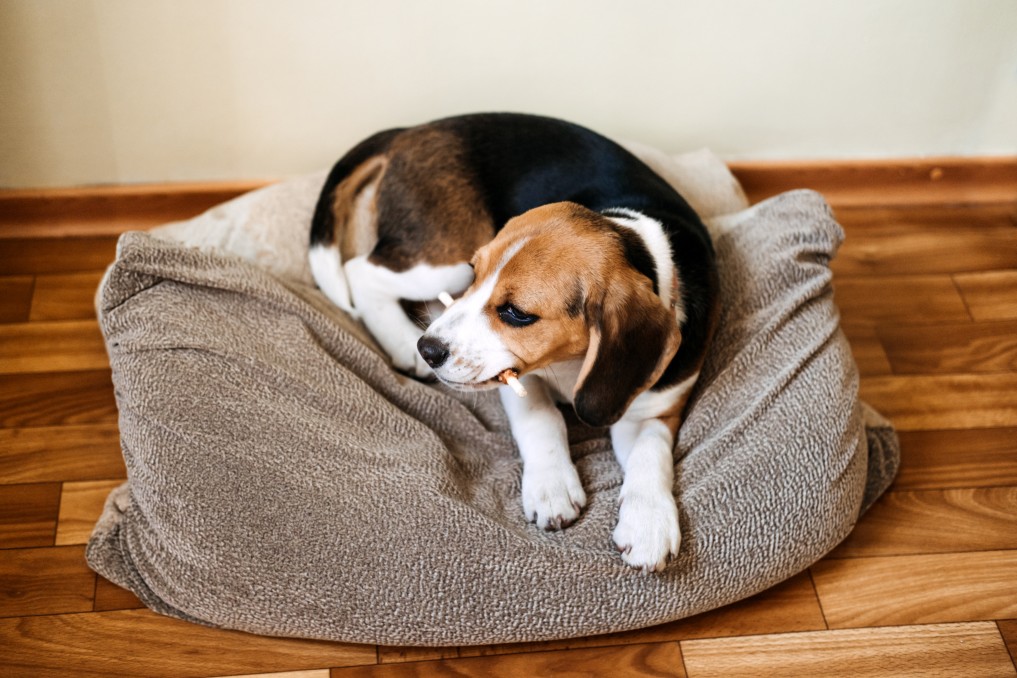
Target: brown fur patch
[(354, 207), (430, 208), (417, 203), (675, 414)]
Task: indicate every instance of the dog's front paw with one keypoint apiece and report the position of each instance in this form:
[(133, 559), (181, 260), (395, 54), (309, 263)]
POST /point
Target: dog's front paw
[(647, 533), (553, 497)]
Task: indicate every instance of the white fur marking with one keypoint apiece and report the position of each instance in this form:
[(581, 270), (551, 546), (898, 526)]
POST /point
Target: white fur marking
[(650, 404), (656, 241), (327, 271)]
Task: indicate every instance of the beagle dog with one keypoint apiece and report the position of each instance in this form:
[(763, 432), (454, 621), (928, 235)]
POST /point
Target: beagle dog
[(575, 266)]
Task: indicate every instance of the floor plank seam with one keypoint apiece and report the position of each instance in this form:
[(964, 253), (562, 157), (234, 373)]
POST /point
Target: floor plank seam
[(960, 292), (1010, 651), (819, 601), (922, 553)]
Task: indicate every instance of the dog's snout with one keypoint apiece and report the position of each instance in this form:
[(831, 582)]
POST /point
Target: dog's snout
[(433, 351)]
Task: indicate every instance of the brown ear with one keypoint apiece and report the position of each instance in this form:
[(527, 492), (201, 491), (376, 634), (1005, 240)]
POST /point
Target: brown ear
[(633, 338)]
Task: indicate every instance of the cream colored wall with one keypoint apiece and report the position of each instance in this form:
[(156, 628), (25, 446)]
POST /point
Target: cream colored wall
[(97, 91)]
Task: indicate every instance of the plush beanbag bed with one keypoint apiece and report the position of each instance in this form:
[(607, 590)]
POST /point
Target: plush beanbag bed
[(284, 480)]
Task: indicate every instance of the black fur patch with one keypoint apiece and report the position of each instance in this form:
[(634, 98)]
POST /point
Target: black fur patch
[(575, 304), (636, 253)]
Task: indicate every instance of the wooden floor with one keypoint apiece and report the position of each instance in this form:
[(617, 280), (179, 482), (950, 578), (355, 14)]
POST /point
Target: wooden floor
[(926, 584)]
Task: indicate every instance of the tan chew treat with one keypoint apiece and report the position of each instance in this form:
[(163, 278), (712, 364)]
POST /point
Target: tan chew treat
[(510, 378)]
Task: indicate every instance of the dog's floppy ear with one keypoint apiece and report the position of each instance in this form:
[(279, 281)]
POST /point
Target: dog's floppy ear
[(633, 337)]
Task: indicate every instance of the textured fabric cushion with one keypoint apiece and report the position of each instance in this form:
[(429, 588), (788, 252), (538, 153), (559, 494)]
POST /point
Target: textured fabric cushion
[(284, 480)]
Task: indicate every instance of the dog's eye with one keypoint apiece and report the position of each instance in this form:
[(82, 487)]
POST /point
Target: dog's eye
[(510, 315)]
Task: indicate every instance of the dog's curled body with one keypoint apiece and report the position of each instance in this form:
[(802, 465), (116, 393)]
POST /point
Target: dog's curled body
[(578, 267)]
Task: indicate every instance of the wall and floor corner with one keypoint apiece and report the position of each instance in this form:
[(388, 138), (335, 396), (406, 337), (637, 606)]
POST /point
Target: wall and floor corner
[(127, 91)]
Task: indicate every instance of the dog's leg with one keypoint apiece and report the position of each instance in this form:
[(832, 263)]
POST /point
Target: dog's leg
[(327, 271), (647, 531), (553, 496), (623, 438), (376, 291)]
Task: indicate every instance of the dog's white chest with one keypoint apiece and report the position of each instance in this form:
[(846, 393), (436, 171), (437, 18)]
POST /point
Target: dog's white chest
[(561, 378)]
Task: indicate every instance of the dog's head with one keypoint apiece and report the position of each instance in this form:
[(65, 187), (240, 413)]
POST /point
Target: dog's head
[(555, 285)]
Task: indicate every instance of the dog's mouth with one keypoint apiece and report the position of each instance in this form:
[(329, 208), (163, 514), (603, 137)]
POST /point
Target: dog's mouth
[(482, 385)]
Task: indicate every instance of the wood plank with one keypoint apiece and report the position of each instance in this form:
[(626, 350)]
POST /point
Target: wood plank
[(789, 606), (915, 299), (943, 239), (141, 643), (109, 596), (935, 521), (58, 398), (81, 504), (919, 589), (64, 346), (944, 401), (394, 655), (845, 183), (663, 659), (64, 453), (893, 181), (969, 650), (312, 673), (907, 219), (28, 514), (99, 210), (50, 580), (991, 295), (950, 348), (29, 256), (961, 458), (69, 296), (15, 298)]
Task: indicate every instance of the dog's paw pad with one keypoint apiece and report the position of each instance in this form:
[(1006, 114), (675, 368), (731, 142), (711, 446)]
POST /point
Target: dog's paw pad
[(647, 534), (553, 499)]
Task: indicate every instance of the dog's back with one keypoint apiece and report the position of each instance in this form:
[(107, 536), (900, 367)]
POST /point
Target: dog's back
[(490, 167)]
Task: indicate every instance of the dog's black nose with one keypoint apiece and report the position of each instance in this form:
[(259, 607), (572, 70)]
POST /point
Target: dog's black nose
[(433, 351)]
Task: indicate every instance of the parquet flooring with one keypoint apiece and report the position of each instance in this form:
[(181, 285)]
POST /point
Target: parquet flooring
[(926, 584)]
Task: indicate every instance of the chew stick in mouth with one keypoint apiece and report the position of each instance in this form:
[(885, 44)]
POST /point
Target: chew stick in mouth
[(510, 378)]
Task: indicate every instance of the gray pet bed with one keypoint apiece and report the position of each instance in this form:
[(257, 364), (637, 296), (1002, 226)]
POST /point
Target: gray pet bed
[(284, 480)]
